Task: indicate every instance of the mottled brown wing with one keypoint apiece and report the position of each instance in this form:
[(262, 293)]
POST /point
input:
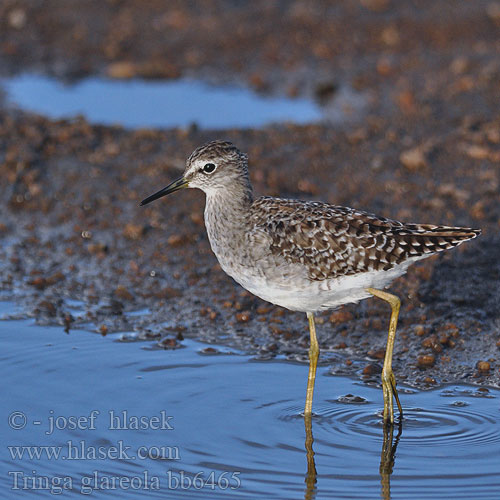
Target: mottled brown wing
[(334, 241)]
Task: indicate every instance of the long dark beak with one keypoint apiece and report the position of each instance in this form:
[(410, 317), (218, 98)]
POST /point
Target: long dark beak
[(174, 186)]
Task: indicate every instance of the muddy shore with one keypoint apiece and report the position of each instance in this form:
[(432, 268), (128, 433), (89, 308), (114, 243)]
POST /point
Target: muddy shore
[(77, 249)]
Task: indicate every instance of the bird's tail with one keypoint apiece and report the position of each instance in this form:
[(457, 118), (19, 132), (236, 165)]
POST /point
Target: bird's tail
[(437, 238)]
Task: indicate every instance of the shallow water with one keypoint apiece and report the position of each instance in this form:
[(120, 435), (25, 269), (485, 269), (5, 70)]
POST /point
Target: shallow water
[(142, 103), (235, 426), (139, 103)]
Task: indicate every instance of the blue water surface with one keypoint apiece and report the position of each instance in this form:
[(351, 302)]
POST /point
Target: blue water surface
[(222, 426), (151, 103)]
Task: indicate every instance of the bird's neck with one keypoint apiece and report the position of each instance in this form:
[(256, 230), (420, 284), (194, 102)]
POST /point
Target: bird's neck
[(227, 211), (233, 200)]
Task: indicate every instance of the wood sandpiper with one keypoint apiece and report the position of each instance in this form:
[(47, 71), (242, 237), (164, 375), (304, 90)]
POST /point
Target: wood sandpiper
[(306, 256)]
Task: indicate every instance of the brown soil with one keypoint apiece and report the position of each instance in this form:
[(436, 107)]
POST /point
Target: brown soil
[(427, 150)]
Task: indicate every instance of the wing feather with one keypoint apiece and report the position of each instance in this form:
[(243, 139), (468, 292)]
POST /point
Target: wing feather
[(334, 241)]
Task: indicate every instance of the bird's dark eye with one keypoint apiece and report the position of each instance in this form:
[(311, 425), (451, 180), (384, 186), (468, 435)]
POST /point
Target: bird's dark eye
[(208, 168)]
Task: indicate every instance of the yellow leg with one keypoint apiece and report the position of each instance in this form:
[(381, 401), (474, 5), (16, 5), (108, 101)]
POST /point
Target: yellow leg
[(388, 379), (313, 363)]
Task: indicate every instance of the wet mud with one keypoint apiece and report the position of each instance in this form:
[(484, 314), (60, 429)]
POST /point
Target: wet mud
[(77, 250)]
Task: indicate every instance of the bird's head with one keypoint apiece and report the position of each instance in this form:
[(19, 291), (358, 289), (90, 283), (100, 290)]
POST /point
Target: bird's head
[(215, 166)]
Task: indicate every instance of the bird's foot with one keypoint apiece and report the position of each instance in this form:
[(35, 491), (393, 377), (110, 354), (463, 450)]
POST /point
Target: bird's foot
[(390, 392)]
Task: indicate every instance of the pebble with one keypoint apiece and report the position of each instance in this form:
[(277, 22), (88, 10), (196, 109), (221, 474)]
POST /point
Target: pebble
[(426, 360), (243, 317), (419, 330), (342, 316), (433, 343), (372, 369), (413, 159), (168, 343), (483, 366), (378, 354), (134, 231), (121, 70), (209, 351), (122, 293), (17, 18)]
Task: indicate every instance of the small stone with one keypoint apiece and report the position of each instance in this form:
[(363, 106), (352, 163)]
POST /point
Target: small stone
[(483, 366), (159, 68), (413, 159), (168, 343), (274, 329), (243, 317), (406, 101), (258, 82), (39, 283), (378, 354), (47, 308), (149, 335), (444, 339), (426, 360), (384, 66), (167, 293), (342, 316), (68, 319), (325, 91), (459, 65), (372, 369), (432, 342), (451, 329), (419, 330), (493, 11), (122, 70), (17, 18), (133, 231), (265, 310), (97, 248), (197, 219), (209, 351), (477, 152), (55, 278), (177, 240), (351, 398), (390, 36), (122, 293), (273, 347)]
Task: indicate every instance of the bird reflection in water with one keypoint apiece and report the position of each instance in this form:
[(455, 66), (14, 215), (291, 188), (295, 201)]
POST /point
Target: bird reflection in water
[(311, 476), (387, 459)]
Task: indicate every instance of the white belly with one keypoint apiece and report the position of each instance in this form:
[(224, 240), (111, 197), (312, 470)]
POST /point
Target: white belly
[(302, 294)]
